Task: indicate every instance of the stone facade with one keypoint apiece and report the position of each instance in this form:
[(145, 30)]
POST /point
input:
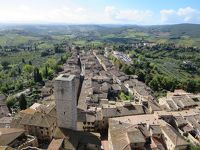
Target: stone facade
[(41, 133), (66, 101)]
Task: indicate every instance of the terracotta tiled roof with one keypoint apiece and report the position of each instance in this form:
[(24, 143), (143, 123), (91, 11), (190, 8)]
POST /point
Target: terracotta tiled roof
[(8, 135), (55, 144), (174, 136), (28, 111), (38, 119), (75, 139)]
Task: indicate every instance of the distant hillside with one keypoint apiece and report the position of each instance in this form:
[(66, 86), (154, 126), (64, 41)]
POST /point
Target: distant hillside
[(192, 30), (182, 34)]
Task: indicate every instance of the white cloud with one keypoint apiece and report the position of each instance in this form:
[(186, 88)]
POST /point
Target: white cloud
[(84, 15), (28, 14), (67, 15), (73, 15), (21, 13), (135, 16), (23, 8), (182, 15), (80, 10), (112, 12)]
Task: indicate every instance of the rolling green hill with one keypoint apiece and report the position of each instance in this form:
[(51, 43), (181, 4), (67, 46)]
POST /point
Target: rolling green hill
[(186, 34)]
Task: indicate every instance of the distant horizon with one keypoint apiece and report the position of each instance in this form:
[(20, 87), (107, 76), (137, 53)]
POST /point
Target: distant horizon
[(134, 12), (93, 24)]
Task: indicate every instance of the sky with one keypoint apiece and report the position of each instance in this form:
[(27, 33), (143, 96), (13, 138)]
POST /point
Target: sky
[(140, 12)]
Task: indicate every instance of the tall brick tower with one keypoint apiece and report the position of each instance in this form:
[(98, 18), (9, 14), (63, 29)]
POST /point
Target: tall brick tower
[(66, 101)]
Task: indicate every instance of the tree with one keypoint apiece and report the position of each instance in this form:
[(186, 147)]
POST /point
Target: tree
[(154, 83), (10, 102), (30, 63), (45, 71), (45, 53), (58, 49), (19, 70), (62, 60), (35, 46), (22, 102), (19, 86), (58, 68), (169, 83), (51, 63), (125, 97), (118, 63), (141, 76), (5, 64), (23, 61), (13, 72), (125, 69), (148, 78), (191, 86), (4, 88), (37, 76), (28, 68)]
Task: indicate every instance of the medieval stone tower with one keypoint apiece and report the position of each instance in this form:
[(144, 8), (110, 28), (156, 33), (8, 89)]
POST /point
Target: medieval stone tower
[(66, 100)]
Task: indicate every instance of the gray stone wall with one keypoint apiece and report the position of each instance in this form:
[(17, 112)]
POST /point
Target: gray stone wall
[(66, 101)]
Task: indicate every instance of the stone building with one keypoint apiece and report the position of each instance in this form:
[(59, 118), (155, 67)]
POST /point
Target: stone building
[(39, 124), (4, 112), (5, 122), (173, 139), (39, 120), (16, 138), (144, 132), (179, 100), (66, 101)]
